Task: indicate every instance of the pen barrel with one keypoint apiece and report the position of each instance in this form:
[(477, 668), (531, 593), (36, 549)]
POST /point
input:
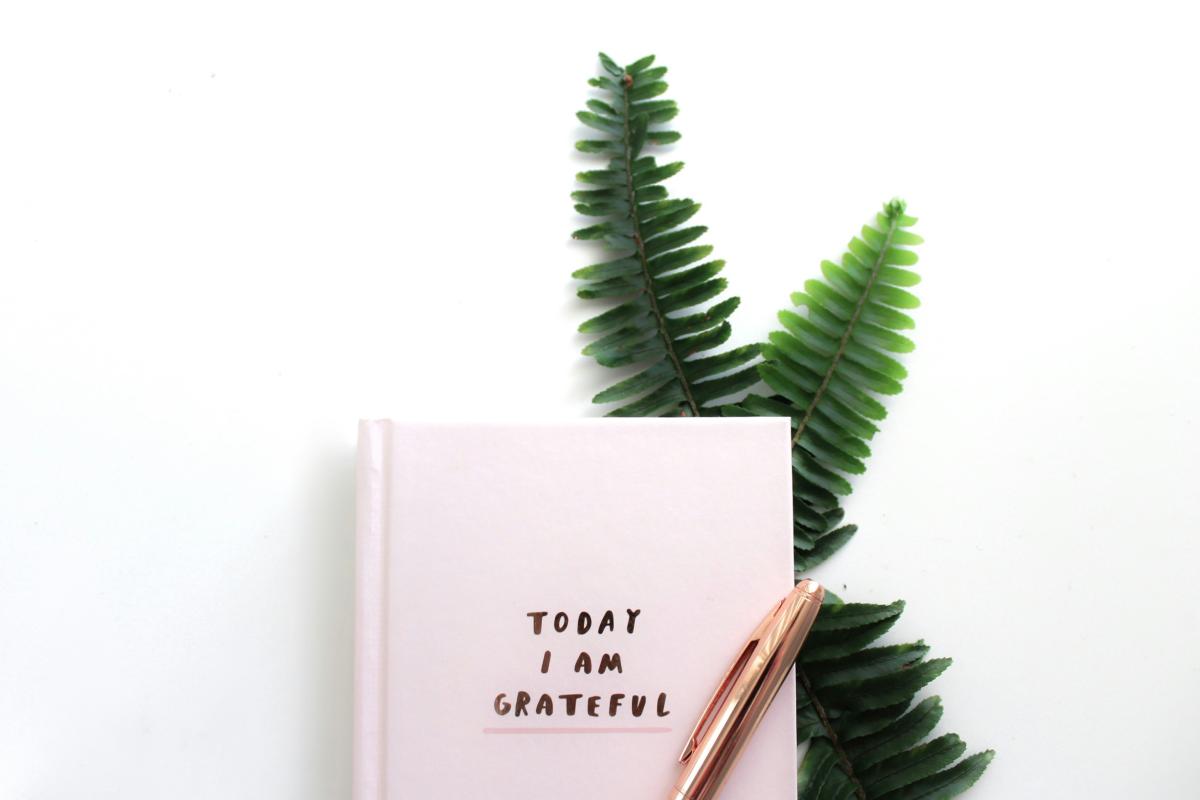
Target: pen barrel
[(710, 774), (767, 666)]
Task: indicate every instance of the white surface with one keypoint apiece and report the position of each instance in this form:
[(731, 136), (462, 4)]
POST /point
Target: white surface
[(228, 232)]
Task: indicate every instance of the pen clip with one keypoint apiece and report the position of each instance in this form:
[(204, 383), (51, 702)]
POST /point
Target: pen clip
[(733, 673)]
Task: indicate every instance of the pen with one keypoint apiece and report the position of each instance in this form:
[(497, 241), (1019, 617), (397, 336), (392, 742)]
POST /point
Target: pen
[(744, 694)]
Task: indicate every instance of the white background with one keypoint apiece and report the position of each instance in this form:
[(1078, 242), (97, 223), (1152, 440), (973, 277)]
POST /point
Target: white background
[(229, 230)]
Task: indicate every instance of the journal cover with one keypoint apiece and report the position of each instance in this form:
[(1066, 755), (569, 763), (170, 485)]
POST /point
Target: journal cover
[(544, 610)]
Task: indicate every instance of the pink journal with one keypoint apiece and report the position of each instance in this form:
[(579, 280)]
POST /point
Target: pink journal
[(543, 610)]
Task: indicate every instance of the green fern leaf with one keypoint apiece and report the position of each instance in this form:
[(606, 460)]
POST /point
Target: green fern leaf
[(661, 280), (829, 365), (853, 702)]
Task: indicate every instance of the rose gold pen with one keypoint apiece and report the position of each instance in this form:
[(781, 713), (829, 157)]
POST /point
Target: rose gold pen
[(745, 693)]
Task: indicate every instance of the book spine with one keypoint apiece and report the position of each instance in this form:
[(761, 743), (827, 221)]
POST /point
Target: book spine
[(370, 679)]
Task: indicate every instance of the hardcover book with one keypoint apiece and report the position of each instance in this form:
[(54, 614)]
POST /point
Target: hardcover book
[(544, 610)]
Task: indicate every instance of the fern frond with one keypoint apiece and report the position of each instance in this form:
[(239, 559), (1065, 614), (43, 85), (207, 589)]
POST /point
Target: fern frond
[(829, 365), (662, 280), (855, 703), (833, 360)]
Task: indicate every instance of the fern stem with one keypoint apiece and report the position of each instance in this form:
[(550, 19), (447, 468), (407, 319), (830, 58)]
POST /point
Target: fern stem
[(659, 318), (860, 791), (893, 222)]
